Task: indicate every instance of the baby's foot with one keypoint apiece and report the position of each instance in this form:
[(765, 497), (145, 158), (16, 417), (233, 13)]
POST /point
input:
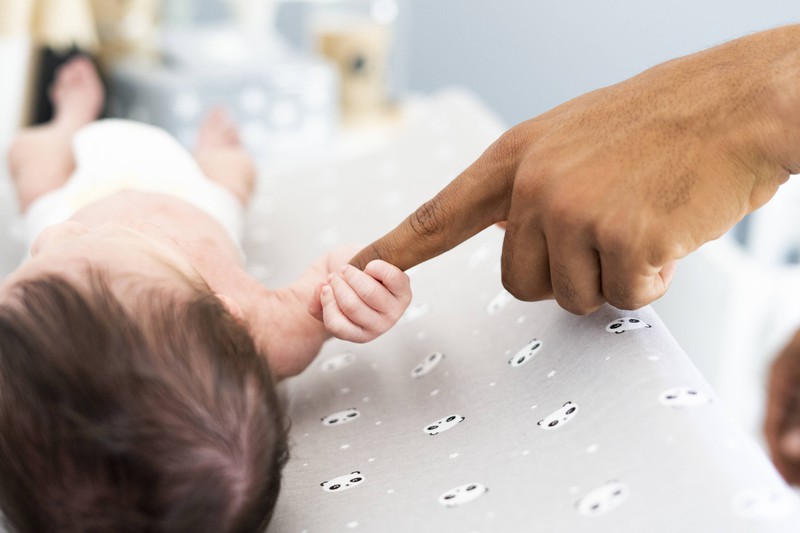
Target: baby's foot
[(217, 131), (77, 94)]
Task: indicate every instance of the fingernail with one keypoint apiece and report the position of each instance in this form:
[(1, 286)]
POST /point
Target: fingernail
[(326, 290), (343, 269)]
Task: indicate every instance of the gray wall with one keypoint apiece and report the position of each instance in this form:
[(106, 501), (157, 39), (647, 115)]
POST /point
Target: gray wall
[(526, 56)]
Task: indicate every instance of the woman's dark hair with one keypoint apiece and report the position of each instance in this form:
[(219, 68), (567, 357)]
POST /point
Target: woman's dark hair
[(158, 416)]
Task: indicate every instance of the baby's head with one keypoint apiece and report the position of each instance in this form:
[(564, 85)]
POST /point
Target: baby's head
[(152, 414)]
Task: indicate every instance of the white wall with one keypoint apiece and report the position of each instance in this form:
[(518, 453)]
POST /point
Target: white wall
[(14, 57)]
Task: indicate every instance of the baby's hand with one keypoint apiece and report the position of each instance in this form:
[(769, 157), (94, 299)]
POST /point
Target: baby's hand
[(360, 306)]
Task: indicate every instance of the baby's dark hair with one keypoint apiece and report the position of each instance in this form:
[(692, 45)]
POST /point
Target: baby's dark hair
[(156, 417)]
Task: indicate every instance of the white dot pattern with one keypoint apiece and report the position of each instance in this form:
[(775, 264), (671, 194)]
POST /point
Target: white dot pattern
[(600, 389)]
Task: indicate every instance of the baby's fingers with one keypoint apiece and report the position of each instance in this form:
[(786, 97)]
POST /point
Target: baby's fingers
[(394, 279), (371, 291), (336, 322), (354, 308)]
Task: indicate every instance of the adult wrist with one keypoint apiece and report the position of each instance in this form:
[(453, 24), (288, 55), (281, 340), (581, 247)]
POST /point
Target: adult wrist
[(780, 120)]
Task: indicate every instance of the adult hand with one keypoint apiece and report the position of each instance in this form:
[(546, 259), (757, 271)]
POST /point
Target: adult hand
[(602, 194), (782, 425)]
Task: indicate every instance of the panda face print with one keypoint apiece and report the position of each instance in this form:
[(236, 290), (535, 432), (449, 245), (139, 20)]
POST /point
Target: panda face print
[(762, 504), (427, 365), (338, 362), (560, 417), (621, 325), (499, 302), (444, 424), (603, 499), (525, 353), (680, 397), (348, 481), (461, 495), (341, 417)]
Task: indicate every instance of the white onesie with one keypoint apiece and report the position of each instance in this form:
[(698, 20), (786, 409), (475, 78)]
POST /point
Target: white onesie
[(113, 155)]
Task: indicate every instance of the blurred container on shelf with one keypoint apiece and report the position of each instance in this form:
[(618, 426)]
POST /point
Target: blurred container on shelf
[(214, 52), (356, 36), (283, 108), (126, 28)]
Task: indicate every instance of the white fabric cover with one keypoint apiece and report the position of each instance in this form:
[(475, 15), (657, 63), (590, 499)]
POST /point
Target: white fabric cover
[(365, 455)]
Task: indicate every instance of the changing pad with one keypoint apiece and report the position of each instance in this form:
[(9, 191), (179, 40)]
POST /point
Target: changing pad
[(481, 413)]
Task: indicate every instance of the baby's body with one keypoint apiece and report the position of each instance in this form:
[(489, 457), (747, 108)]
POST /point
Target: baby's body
[(166, 239), (137, 355)]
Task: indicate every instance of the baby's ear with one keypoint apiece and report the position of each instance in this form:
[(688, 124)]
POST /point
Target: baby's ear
[(231, 305)]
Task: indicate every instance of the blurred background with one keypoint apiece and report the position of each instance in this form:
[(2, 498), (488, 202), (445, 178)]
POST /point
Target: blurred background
[(312, 82)]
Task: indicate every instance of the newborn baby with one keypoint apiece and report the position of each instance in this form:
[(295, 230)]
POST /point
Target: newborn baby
[(137, 357)]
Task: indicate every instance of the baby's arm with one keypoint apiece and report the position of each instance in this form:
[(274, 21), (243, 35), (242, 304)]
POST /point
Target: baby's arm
[(360, 306), (293, 322)]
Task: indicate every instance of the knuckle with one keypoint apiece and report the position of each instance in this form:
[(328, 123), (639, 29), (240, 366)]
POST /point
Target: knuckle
[(525, 291), (405, 300), (367, 290), (361, 336), (526, 284), (363, 283), (663, 249), (378, 330), (574, 302), (389, 273), (404, 280), (611, 238), (577, 308), (626, 299), (507, 148), (563, 212), (333, 324), (396, 314), (374, 265), (428, 219), (349, 305), (533, 186), (564, 289), (617, 295), (623, 230)]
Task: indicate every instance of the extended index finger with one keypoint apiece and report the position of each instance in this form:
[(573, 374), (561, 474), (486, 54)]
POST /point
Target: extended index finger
[(476, 199)]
